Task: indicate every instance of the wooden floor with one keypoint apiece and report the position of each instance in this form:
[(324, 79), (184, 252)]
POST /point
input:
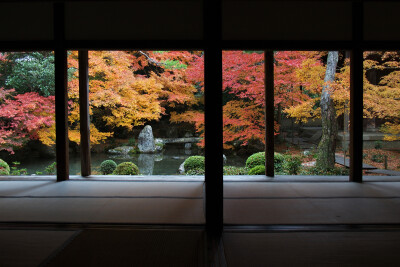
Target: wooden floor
[(40, 220)]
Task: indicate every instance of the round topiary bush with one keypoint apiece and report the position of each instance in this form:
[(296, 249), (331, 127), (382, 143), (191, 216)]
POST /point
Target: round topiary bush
[(126, 168), (255, 159), (195, 171), (107, 166), (259, 159), (4, 168), (194, 162), (257, 170)]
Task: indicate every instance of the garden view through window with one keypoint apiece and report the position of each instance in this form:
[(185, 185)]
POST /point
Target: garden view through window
[(381, 125), (27, 113), (147, 112), (312, 105), (311, 100)]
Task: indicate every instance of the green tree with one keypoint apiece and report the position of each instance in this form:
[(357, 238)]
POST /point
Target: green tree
[(30, 72)]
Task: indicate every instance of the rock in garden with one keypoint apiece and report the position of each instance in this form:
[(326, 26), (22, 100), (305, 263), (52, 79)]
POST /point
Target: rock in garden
[(122, 150), (146, 164), (309, 164), (181, 169), (146, 142), (188, 145), (159, 143)]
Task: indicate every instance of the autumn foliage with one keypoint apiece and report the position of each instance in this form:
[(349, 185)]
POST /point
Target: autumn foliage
[(128, 89), (24, 117), (382, 98)]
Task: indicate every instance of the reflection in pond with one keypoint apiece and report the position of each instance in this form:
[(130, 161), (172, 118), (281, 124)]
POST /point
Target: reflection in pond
[(165, 163)]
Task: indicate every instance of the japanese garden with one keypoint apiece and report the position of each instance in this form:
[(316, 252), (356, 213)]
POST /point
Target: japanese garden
[(147, 112)]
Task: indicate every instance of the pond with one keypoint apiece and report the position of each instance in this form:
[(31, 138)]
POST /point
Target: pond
[(165, 163)]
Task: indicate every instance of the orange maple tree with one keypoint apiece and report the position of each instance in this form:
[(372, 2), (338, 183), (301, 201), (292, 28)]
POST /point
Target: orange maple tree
[(382, 100), (129, 88)]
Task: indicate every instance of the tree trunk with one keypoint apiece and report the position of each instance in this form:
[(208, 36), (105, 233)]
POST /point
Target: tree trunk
[(327, 145)]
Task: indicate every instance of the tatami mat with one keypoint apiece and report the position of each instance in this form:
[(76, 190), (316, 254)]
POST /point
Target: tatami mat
[(312, 249), (139, 202), (311, 203), (103, 210), (102, 202), (134, 248), (310, 189), (101, 188), (30, 247), (312, 211)]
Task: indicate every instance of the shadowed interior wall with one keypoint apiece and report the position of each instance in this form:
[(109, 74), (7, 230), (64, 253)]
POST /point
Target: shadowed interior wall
[(183, 20)]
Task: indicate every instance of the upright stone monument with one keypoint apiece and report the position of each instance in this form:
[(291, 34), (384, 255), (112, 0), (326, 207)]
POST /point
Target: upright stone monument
[(146, 142)]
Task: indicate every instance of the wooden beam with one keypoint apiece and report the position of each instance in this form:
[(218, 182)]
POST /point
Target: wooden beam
[(269, 112), (213, 117), (84, 112), (356, 95), (61, 95)]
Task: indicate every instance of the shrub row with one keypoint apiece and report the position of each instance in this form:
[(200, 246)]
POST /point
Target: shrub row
[(283, 164), (125, 168)]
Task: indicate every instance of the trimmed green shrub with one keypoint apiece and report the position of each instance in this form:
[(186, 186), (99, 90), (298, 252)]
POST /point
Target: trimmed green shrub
[(126, 168), (195, 171), (233, 170), (194, 162), (107, 167), (292, 165), (4, 168), (257, 170), (255, 159), (259, 159), (279, 159)]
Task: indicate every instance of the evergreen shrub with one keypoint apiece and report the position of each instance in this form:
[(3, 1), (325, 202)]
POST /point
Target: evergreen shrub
[(4, 168), (292, 165), (330, 171), (51, 169), (107, 167), (259, 159), (255, 160), (194, 162), (279, 159), (195, 171), (233, 170), (126, 168), (257, 170)]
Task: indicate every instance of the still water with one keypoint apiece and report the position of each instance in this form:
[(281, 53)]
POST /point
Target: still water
[(165, 163)]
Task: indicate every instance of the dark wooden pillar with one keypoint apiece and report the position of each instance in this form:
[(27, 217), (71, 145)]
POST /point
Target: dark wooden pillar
[(213, 117), (84, 111), (356, 95), (269, 112), (61, 94)]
